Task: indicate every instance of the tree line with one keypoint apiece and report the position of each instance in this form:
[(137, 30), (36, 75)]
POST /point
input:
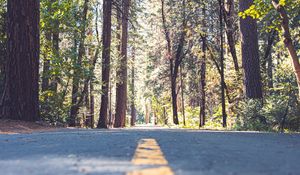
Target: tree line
[(112, 63)]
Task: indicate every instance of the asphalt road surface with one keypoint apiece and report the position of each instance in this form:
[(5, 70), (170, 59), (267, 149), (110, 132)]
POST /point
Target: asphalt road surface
[(149, 151)]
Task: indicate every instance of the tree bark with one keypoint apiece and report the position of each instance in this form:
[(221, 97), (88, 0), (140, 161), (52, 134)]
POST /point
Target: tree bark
[(267, 60), (20, 99), (117, 121), (288, 40), (203, 73), (223, 100), (46, 65), (182, 95), (121, 95), (133, 109), (106, 42), (165, 115), (147, 113), (55, 45), (230, 30), (250, 54), (92, 104)]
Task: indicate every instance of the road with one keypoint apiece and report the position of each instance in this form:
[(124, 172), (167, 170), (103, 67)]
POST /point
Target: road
[(164, 151)]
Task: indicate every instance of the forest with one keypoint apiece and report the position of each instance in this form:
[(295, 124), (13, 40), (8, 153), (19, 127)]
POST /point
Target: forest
[(211, 64)]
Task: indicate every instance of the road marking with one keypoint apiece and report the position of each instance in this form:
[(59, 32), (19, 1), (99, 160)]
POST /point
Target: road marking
[(148, 152)]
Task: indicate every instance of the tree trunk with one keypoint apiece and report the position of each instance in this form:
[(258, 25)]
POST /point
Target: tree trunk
[(133, 109), (106, 41), (55, 44), (250, 54), (46, 65), (174, 97), (77, 68), (121, 96), (203, 73), (147, 115), (118, 121), (223, 100), (92, 104), (111, 120), (176, 61), (20, 99), (182, 96), (288, 40), (230, 30), (165, 116), (267, 60)]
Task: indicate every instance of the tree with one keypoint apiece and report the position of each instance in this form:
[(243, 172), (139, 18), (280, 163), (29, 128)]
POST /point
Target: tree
[(288, 39), (106, 41), (20, 99), (222, 60), (229, 18), (175, 59), (77, 68), (121, 95), (203, 72), (250, 53), (2, 44), (133, 98)]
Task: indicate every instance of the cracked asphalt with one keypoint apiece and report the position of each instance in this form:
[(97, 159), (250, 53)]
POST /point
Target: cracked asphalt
[(92, 152)]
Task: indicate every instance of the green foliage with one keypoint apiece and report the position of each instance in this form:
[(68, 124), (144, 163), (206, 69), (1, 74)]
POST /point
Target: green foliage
[(250, 116), (192, 117), (278, 112), (53, 107)]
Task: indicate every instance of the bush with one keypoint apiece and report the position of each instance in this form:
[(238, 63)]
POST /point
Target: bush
[(277, 113), (53, 108)]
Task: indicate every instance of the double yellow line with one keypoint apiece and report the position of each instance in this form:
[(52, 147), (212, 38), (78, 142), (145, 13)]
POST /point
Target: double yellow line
[(148, 152)]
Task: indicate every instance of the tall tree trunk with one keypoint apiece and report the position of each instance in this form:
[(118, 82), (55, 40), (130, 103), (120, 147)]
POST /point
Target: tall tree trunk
[(223, 100), (230, 30), (174, 96), (203, 73), (92, 104), (3, 50), (46, 64), (147, 113), (77, 67), (267, 62), (55, 44), (121, 96), (165, 115), (182, 96), (250, 54), (177, 59), (118, 121), (133, 109), (20, 99), (110, 121), (288, 39), (270, 73), (107, 10)]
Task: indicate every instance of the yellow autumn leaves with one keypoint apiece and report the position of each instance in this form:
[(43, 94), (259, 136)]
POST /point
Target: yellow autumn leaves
[(259, 9)]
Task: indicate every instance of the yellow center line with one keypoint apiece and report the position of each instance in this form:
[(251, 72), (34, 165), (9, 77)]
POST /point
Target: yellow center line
[(148, 152)]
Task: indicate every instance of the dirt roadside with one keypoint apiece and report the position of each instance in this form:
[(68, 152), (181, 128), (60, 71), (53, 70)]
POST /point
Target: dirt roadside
[(21, 127)]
